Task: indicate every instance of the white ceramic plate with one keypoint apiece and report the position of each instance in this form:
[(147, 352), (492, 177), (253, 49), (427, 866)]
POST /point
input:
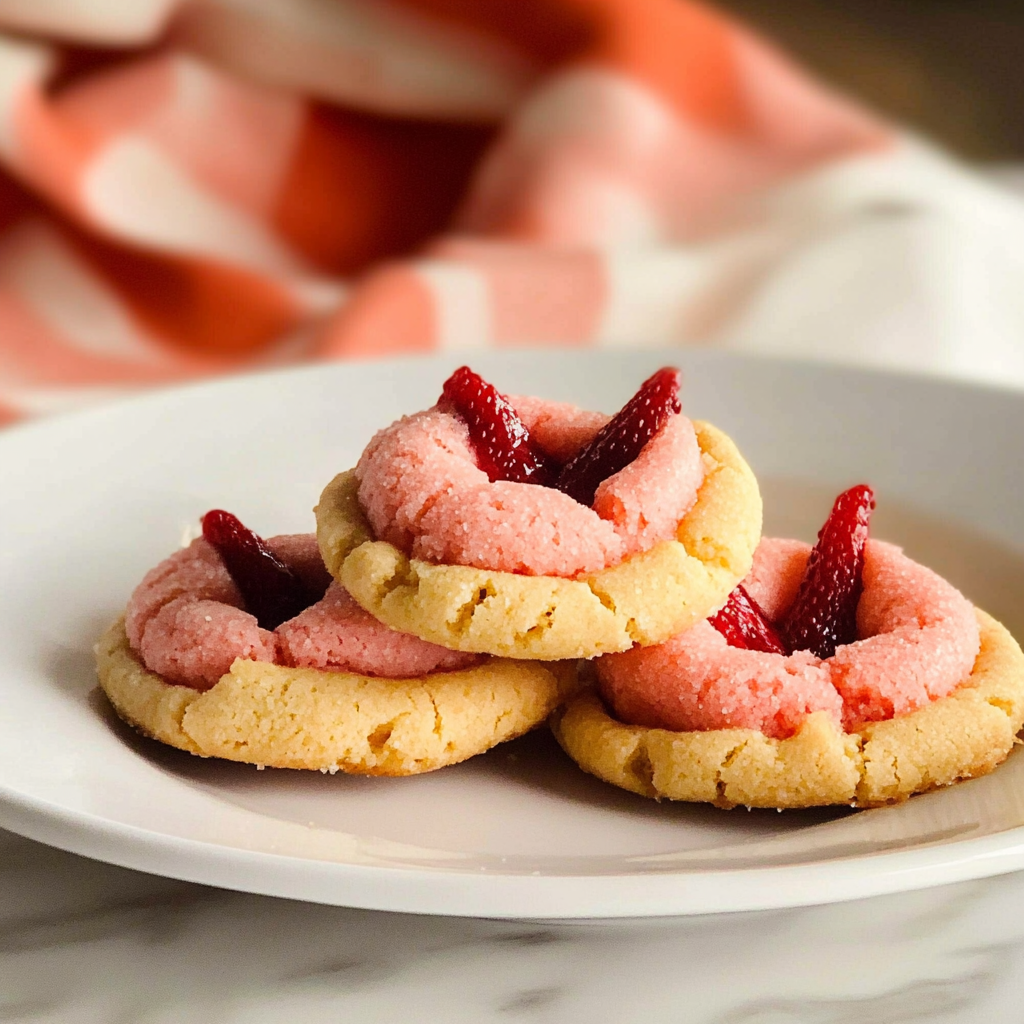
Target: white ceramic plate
[(91, 501)]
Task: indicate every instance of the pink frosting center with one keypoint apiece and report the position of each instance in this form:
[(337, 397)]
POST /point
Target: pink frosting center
[(421, 490), (917, 641), (187, 622)]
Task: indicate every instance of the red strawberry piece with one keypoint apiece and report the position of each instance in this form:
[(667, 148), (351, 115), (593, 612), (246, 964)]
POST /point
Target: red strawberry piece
[(500, 438), (743, 624), (824, 614), (619, 442), (272, 592)]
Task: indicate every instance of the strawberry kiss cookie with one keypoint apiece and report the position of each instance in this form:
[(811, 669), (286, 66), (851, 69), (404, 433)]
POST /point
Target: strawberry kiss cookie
[(536, 530), (245, 649), (846, 674)]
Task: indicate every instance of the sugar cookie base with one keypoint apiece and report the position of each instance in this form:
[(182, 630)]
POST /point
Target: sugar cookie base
[(957, 737), (281, 717), (645, 599)]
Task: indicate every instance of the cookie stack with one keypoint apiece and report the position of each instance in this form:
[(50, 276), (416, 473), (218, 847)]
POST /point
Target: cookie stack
[(493, 563)]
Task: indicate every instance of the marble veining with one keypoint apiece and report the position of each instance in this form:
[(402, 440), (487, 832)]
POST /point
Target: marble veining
[(90, 943)]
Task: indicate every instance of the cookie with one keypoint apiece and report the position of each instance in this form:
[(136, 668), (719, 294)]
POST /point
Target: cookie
[(960, 736), (916, 639), (644, 599), (273, 715)]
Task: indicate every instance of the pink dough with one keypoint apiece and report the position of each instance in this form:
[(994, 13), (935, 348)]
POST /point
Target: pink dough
[(697, 681), (193, 642), (187, 622), (558, 428), (421, 490), (918, 640), (336, 633)]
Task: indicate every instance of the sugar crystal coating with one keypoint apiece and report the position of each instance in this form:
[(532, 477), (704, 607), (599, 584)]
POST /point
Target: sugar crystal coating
[(422, 491), (193, 642), (186, 621), (336, 632), (917, 641)]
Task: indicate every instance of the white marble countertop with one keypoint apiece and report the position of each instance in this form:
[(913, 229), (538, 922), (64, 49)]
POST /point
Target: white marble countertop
[(87, 943)]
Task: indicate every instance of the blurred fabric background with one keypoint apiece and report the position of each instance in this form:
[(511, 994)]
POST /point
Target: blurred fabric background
[(195, 187), (954, 69)]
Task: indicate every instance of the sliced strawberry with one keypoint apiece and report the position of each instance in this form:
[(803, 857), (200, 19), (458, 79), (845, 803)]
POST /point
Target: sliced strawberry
[(824, 614), (619, 442), (743, 624), (272, 592), (500, 438)]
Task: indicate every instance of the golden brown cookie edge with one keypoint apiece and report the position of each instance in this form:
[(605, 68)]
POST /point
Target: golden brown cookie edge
[(878, 764), (497, 701)]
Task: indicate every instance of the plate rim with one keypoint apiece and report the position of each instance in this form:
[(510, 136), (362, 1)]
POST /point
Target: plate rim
[(479, 893), (509, 896)]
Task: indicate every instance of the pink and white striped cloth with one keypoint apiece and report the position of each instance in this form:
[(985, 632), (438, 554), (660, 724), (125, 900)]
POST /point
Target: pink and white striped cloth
[(189, 188)]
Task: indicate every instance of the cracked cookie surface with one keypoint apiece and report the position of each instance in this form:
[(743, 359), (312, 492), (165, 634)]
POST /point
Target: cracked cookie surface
[(645, 599), (963, 735), (284, 717)]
